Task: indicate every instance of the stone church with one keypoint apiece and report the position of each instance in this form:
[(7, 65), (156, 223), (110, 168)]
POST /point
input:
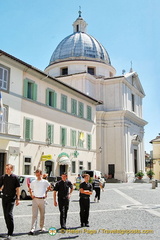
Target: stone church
[(81, 62)]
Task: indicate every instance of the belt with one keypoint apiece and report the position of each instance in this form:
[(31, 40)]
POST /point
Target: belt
[(6, 195), (40, 197), (84, 197)]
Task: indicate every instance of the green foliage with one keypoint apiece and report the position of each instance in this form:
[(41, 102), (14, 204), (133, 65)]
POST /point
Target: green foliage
[(139, 174), (150, 173)]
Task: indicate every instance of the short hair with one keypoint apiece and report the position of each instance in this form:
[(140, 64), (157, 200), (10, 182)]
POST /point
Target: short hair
[(9, 165), (38, 171), (85, 175), (64, 173)]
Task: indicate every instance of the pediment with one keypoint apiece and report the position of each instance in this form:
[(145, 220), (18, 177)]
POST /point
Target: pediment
[(133, 79)]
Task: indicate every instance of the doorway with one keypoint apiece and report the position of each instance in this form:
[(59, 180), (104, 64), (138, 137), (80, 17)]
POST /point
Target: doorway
[(135, 160), (63, 168), (2, 160), (111, 170), (48, 167)]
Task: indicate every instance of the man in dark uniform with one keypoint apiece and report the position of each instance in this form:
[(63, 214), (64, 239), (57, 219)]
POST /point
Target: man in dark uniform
[(84, 201), (11, 193), (62, 187)]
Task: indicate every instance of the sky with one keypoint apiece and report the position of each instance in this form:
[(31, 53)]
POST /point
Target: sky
[(128, 29)]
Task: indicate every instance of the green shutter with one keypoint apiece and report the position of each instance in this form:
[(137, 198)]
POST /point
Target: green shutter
[(89, 113), (28, 129), (81, 110), (34, 91), (54, 99), (63, 137), (64, 103), (50, 133), (89, 142), (73, 138), (47, 97), (25, 88), (74, 107)]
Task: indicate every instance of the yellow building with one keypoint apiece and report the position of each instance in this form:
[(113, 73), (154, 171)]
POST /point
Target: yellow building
[(156, 157)]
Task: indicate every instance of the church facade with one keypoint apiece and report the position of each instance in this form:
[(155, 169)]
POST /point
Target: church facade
[(83, 63), (75, 115)]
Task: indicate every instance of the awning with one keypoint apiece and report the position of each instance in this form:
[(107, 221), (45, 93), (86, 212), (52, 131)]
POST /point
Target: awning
[(64, 161)]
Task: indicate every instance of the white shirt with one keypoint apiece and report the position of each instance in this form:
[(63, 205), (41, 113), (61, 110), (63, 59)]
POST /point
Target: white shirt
[(39, 187)]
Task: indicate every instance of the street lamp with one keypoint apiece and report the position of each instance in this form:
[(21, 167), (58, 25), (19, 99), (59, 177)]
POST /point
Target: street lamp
[(151, 165)]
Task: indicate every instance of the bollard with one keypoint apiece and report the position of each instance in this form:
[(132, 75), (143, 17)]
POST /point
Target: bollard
[(156, 183), (153, 184)]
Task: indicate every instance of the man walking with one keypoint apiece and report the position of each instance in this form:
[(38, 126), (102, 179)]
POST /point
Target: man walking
[(11, 194), (62, 187), (97, 188), (84, 201), (38, 191)]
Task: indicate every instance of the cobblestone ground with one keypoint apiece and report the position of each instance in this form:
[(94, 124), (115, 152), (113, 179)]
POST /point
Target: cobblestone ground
[(126, 211)]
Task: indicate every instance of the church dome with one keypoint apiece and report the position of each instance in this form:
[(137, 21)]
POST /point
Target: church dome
[(80, 46)]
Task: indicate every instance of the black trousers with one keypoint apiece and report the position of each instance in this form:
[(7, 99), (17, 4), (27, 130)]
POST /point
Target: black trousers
[(84, 209), (98, 191), (63, 208), (8, 204)]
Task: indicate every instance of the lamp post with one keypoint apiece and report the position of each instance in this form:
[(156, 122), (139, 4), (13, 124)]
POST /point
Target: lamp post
[(150, 167)]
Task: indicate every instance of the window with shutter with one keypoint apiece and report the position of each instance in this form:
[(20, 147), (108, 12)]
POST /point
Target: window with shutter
[(64, 103), (28, 129), (51, 98), (89, 142), (63, 136), (89, 113), (30, 89), (50, 133), (73, 138), (4, 77), (73, 107), (81, 110)]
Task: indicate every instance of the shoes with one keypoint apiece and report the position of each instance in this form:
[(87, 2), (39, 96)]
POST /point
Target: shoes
[(98, 201), (31, 232), (8, 237), (95, 199), (43, 230), (82, 224), (86, 225)]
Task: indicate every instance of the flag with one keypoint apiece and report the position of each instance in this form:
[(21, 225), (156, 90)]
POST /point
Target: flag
[(81, 136), (1, 104)]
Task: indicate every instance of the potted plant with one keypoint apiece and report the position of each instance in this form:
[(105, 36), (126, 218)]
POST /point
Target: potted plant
[(139, 174), (150, 174)]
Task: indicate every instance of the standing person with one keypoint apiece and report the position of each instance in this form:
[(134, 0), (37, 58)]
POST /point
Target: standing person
[(11, 194), (78, 181), (97, 188), (38, 191), (62, 187), (84, 201)]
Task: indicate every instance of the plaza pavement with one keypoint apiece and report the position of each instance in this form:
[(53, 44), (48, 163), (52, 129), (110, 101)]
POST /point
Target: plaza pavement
[(126, 211)]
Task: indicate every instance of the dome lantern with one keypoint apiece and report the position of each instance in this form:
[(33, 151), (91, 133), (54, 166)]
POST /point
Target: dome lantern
[(79, 25)]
